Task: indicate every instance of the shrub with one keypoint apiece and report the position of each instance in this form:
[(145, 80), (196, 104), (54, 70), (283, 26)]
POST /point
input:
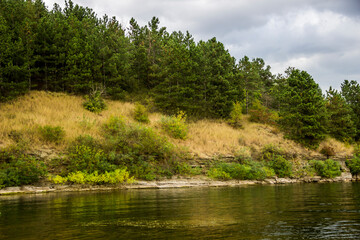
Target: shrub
[(136, 140), (85, 140), (176, 126), (354, 165), (58, 179), (250, 171), (281, 166), (94, 102), (114, 126), (357, 150), (236, 115), (143, 170), (269, 151), (327, 151), (114, 177), (141, 114), (218, 173), (53, 134), (84, 158), (261, 114), (327, 169), (21, 170)]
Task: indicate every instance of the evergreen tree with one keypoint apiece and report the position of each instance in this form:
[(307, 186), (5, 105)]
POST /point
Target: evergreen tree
[(351, 92), (255, 79), (340, 115), (216, 72), (303, 114), (179, 89)]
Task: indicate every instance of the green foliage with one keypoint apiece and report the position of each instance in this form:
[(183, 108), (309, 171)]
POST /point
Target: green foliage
[(269, 151), (146, 154), (327, 169), (18, 168), (303, 112), (143, 170), (273, 157), (340, 117), (357, 149), (354, 165), (236, 115), (53, 134), (114, 126), (350, 90), (141, 114), (176, 126), (113, 177), (94, 102), (88, 159), (218, 173), (261, 114), (281, 166), (251, 170)]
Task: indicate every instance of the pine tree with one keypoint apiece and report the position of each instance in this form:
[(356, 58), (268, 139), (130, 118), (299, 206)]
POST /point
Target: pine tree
[(303, 114), (340, 117), (351, 92)]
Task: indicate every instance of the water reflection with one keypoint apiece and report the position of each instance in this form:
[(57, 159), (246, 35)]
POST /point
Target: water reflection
[(300, 211)]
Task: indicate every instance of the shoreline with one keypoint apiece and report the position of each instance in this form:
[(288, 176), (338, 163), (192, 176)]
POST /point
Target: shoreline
[(170, 184)]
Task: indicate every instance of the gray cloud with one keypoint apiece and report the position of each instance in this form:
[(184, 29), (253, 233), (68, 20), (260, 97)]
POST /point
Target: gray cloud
[(319, 36)]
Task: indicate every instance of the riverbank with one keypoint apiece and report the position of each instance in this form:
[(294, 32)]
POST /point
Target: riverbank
[(172, 183), (50, 142)]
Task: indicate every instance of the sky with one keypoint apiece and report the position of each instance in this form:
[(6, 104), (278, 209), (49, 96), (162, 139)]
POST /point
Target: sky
[(321, 37)]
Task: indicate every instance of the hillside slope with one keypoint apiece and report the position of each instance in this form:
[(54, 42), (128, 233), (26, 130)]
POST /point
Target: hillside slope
[(22, 118)]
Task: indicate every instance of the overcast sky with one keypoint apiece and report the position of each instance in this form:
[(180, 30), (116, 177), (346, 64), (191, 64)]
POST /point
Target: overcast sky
[(321, 37)]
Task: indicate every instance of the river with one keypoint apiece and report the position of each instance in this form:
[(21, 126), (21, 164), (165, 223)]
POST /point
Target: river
[(296, 211)]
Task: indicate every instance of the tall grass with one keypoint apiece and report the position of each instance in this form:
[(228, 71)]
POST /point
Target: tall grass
[(21, 119)]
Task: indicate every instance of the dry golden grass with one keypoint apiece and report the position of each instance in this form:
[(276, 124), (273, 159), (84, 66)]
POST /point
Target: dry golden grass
[(339, 147), (206, 137), (27, 113)]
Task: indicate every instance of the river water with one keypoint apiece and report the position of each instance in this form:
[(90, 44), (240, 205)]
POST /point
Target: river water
[(297, 211)]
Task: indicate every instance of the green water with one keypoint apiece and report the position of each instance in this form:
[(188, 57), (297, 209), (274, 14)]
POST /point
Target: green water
[(299, 211)]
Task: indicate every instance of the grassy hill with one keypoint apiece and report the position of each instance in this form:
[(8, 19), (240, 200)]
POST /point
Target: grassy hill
[(109, 147), (207, 138)]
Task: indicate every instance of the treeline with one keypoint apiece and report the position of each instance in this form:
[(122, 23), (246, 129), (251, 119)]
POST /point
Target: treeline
[(72, 50)]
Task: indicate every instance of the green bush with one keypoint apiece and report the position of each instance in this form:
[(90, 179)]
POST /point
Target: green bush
[(357, 150), (261, 114), (85, 140), (269, 151), (94, 102), (87, 159), (136, 141), (143, 170), (354, 165), (218, 173), (327, 169), (176, 126), (53, 134), (281, 166), (250, 171), (114, 177), (114, 126), (141, 114), (236, 115), (21, 170)]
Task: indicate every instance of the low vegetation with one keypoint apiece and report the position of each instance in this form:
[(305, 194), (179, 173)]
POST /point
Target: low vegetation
[(113, 147)]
